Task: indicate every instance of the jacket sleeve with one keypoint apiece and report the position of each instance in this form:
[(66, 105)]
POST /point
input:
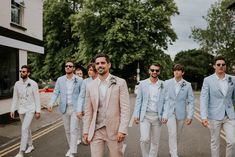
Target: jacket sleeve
[(138, 102), (124, 108), (55, 93), (190, 109), (37, 98), (166, 102), (88, 113), (81, 99), (15, 98), (204, 98)]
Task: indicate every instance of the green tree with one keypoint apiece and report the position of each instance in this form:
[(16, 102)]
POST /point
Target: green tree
[(58, 42), (198, 64), (218, 38), (126, 30)]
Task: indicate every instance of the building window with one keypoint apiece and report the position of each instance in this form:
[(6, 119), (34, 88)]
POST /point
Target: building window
[(9, 70), (17, 12)]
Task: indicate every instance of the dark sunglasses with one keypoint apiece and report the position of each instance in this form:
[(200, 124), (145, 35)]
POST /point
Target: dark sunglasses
[(152, 70), (68, 66), (22, 71), (220, 64)]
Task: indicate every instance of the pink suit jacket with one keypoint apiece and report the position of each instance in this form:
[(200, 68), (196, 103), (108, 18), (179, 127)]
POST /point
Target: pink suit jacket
[(117, 108)]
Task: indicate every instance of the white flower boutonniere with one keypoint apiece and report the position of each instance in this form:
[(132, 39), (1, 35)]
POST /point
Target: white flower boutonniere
[(113, 81), (161, 85), (183, 84), (230, 80)]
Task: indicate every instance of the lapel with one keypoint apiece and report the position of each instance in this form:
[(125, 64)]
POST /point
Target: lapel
[(172, 84), (147, 85), (108, 92), (182, 86), (96, 94)]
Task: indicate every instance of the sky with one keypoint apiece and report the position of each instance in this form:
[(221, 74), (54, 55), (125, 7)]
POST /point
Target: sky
[(191, 12)]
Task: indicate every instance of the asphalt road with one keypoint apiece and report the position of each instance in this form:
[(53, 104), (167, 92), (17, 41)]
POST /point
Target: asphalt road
[(51, 142)]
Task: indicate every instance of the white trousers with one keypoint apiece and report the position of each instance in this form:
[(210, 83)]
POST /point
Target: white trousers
[(229, 129), (71, 128), (26, 136), (150, 130), (80, 129), (175, 128)]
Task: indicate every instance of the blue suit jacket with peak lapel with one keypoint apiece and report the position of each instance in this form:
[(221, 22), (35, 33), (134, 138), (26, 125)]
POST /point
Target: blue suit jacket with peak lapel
[(61, 90), (142, 99), (181, 104), (213, 103)]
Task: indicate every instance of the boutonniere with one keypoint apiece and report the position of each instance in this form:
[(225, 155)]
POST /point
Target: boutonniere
[(183, 84), (28, 85), (161, 85), (113, 81), (230, 80), (75, 80)]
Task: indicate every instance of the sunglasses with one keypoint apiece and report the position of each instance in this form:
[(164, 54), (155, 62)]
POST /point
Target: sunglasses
[(22, 71), (220, 64), (152, 70), (68, 66)]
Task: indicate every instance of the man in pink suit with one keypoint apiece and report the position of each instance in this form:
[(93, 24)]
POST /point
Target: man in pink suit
[(107, 111)]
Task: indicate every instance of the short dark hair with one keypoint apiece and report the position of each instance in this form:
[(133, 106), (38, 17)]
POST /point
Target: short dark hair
[(219, 58), (26, 67), (69, 61), (91, 65), (102, 55), (155, 64), (178, 67), (78, 69)]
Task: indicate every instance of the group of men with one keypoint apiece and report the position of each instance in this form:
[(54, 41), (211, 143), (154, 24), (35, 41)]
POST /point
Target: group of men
[(102, 101)]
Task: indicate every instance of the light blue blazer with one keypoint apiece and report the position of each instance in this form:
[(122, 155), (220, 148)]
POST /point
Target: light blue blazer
[(181, 104), (61, 91), (142, 99), (82, 95), (213, 103)]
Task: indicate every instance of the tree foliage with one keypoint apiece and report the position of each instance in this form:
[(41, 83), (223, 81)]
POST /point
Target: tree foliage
[(219, 36), (198, 64), (127, 30)]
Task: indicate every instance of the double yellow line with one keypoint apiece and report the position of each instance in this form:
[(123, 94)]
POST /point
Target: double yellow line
[(34, 137), (197, 116)]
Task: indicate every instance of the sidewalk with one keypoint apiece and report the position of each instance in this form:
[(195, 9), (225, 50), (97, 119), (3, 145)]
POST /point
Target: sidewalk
[(12, 130)]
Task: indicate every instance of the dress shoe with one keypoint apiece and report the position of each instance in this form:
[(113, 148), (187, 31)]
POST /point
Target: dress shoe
[(71, 155), (68, 153), (29, 149)]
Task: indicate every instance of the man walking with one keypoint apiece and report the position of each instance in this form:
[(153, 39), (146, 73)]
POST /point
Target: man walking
[(106, 111), (26, 99), (216, 106), (92, 73), (68, 89), (149, 111), (180, 102)]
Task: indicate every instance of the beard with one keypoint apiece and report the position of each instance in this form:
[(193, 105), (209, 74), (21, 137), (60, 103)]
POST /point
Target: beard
[(70, 72), (154, 76), (101, 70), (23, 76)]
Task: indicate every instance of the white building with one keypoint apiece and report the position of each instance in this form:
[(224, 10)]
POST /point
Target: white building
[(20, 32)]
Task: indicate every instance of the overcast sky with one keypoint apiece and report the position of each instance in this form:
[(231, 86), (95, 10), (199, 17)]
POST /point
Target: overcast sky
[(191, 12)]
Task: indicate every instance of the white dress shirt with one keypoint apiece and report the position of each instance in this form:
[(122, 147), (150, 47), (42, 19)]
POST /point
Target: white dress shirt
[(178, 86), (69, 87), (103, 85), (223, 84), (154, 91)]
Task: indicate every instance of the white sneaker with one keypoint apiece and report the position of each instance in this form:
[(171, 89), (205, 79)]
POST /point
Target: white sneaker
[(68, 153), (71, 155), (79, 141), (19, 155), (29, 149)]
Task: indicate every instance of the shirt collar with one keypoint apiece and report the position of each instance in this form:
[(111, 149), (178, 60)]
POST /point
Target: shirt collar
[(157, 83), (73, 78), (225, 77), (26, 82), (106, 80), (180, 82)]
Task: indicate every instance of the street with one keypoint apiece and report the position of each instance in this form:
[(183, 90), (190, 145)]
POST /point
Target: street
[(50, 141)]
